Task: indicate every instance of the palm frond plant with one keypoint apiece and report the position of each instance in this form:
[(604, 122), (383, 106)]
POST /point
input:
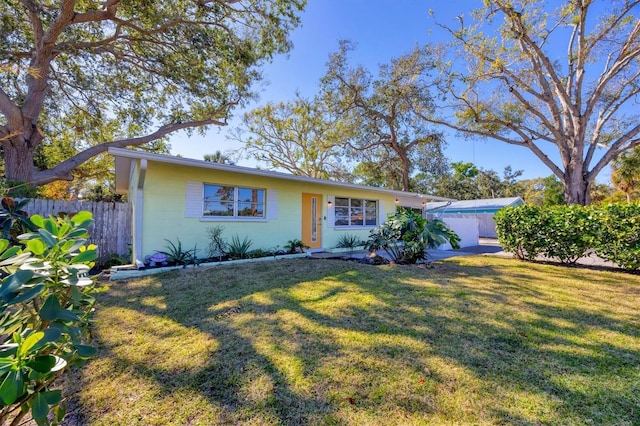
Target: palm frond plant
[(406, 237)]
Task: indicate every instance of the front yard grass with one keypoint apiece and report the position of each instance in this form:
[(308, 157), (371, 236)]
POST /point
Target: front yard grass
[(476, 340)]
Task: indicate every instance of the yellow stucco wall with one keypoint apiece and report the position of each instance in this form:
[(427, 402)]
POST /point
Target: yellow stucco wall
[(163, 212)]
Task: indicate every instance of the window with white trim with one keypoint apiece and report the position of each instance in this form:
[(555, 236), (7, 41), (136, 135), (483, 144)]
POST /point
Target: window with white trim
[(355, 212), (233, 201)]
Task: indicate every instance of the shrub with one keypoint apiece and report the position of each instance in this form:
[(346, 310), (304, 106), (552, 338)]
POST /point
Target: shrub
[(295, 246), (14, 220), (406, 236), (568, 232), (349, 241), (46, 302), (177, 255), (258, 253), (519, 230), (618, 234), (238, 249)]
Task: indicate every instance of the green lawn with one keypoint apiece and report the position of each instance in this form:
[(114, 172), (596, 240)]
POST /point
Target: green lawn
[(474, 340)]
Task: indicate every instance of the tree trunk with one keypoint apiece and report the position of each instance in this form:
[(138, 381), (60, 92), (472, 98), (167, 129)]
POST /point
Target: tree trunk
[(406, 167), (18, 160), (577, 186)]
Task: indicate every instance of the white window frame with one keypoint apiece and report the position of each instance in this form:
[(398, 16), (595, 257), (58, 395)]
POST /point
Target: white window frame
[(364, 210), (236, 201)]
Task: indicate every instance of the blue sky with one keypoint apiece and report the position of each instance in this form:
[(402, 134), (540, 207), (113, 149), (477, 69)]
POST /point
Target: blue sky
[(382, 29)]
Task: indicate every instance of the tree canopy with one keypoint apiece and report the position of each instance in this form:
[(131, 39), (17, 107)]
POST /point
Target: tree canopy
[(301, 136), (563, 79), (625, 173), (92, 75), (384, 111), (465, 181)]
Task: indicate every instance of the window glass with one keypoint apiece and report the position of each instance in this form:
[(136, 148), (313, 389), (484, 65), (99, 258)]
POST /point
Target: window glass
[(230, 201), (218, 200), (342, 212), (355, 212), (371, 213)]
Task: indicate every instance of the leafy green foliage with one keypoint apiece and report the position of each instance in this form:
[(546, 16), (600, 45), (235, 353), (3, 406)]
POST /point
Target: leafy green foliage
[(543, 192), (238, 249), (519, 230), (295, 246), (17, 189), (176, 254), (618, 234), (46, 302), (625, 172), (465, 181), (567, 233), (301, 136), (406, 236), (130, 72), (13, 219)]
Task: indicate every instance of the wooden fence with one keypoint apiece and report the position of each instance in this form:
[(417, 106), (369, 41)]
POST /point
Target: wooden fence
[(111, 231)]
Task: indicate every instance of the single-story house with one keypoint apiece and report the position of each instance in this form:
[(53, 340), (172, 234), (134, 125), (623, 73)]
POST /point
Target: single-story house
[(483, 210), (180, 198)]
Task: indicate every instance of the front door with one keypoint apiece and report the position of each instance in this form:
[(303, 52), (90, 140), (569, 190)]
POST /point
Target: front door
[(312, 220)]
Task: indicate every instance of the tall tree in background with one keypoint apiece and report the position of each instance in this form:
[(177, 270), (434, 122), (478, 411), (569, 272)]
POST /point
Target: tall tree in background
[(465, 181), (302, 136), (219, 157), (505, 79), (625, 172), (383, 110), (113, 74), (379, 166), (543, 192)]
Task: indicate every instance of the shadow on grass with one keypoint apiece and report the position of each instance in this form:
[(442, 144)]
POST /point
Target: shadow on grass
[(330, 342)]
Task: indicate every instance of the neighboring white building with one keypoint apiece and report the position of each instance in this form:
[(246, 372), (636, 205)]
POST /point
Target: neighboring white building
[(483, 210)]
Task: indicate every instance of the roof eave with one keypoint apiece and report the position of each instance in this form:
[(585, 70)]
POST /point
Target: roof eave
[(122, 154)]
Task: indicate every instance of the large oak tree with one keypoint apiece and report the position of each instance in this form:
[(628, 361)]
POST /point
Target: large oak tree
[(565, 79), (119, 73), (384, 110)]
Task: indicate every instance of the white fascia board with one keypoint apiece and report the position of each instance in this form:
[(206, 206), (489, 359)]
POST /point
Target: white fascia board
[(190, 162)]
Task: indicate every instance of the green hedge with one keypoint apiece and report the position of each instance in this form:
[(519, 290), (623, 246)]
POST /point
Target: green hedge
[(618, 237), (566, 233)]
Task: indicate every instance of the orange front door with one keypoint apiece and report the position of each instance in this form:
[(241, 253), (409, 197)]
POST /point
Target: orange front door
[(312, 220)]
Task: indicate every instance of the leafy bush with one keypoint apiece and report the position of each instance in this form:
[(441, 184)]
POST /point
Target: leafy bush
[(349, 241), (520, 230), (406, 236), (258, 253), (14, 220), (295, 246), (568, 232), (618, 234), (46, 302), (238, 249)]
